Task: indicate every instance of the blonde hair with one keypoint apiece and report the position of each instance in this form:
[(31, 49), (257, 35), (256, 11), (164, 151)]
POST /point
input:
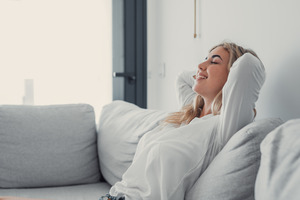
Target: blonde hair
[(189, 112)]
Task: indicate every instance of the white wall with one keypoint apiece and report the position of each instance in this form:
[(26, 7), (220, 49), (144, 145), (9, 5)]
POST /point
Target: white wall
[(170, 43), (270, 27)]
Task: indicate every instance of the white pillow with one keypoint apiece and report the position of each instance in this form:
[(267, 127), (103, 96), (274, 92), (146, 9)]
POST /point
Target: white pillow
[(121, 126), (279, 173), (231, 175)]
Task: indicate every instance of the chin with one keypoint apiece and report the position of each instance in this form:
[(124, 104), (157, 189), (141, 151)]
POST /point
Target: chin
[(197, 89)]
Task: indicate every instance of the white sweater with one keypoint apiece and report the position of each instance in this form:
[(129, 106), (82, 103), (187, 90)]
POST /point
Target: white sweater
[(169, 160)]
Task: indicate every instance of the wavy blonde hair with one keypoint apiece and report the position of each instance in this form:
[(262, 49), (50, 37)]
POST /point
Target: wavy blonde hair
[(189, 112)]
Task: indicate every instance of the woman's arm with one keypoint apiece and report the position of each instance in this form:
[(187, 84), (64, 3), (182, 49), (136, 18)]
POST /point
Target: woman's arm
[(184, 84), (240, 93)]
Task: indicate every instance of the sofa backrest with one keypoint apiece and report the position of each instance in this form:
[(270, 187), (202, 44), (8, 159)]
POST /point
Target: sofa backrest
[(279, 173), (232, 174), (44, 146)]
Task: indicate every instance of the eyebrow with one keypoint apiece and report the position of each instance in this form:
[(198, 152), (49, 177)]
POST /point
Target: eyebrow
[(213, 56)]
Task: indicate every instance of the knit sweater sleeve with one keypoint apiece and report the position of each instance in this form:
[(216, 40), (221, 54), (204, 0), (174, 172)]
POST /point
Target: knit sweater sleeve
[(184, 85), (240, 93)]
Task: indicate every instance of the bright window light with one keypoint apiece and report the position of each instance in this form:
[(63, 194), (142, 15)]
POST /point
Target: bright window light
[(64, 48)]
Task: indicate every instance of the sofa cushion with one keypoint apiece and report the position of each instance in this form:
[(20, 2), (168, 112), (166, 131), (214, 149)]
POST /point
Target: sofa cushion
[(91, 191), (121, 126), (279, 173), (231, 175), (47, 146)]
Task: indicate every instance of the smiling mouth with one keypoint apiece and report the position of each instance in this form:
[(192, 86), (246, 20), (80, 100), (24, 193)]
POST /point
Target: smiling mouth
[(200, 77)]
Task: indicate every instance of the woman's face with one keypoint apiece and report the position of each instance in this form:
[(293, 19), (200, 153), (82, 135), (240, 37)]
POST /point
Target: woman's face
[(212, 74)]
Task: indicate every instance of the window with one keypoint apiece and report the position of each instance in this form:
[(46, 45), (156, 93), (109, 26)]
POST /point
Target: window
[(63, 49)]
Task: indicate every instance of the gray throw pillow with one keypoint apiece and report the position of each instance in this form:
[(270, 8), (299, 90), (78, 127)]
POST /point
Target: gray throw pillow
[(279, 173), (43, 146), (121, 126), (231, 175)]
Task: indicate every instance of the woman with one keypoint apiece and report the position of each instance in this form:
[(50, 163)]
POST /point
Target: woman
[(218, 100), (168, 161)]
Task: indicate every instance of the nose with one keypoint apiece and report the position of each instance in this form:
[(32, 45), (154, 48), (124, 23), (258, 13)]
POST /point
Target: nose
[(202, 66)]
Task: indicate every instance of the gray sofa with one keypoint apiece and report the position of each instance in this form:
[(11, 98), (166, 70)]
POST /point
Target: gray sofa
[(58, 152)]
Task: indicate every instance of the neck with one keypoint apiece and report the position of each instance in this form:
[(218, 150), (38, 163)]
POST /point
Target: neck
[(206, 108)]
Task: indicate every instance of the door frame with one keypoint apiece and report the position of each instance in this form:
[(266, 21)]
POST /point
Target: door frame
[(133, 76)]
